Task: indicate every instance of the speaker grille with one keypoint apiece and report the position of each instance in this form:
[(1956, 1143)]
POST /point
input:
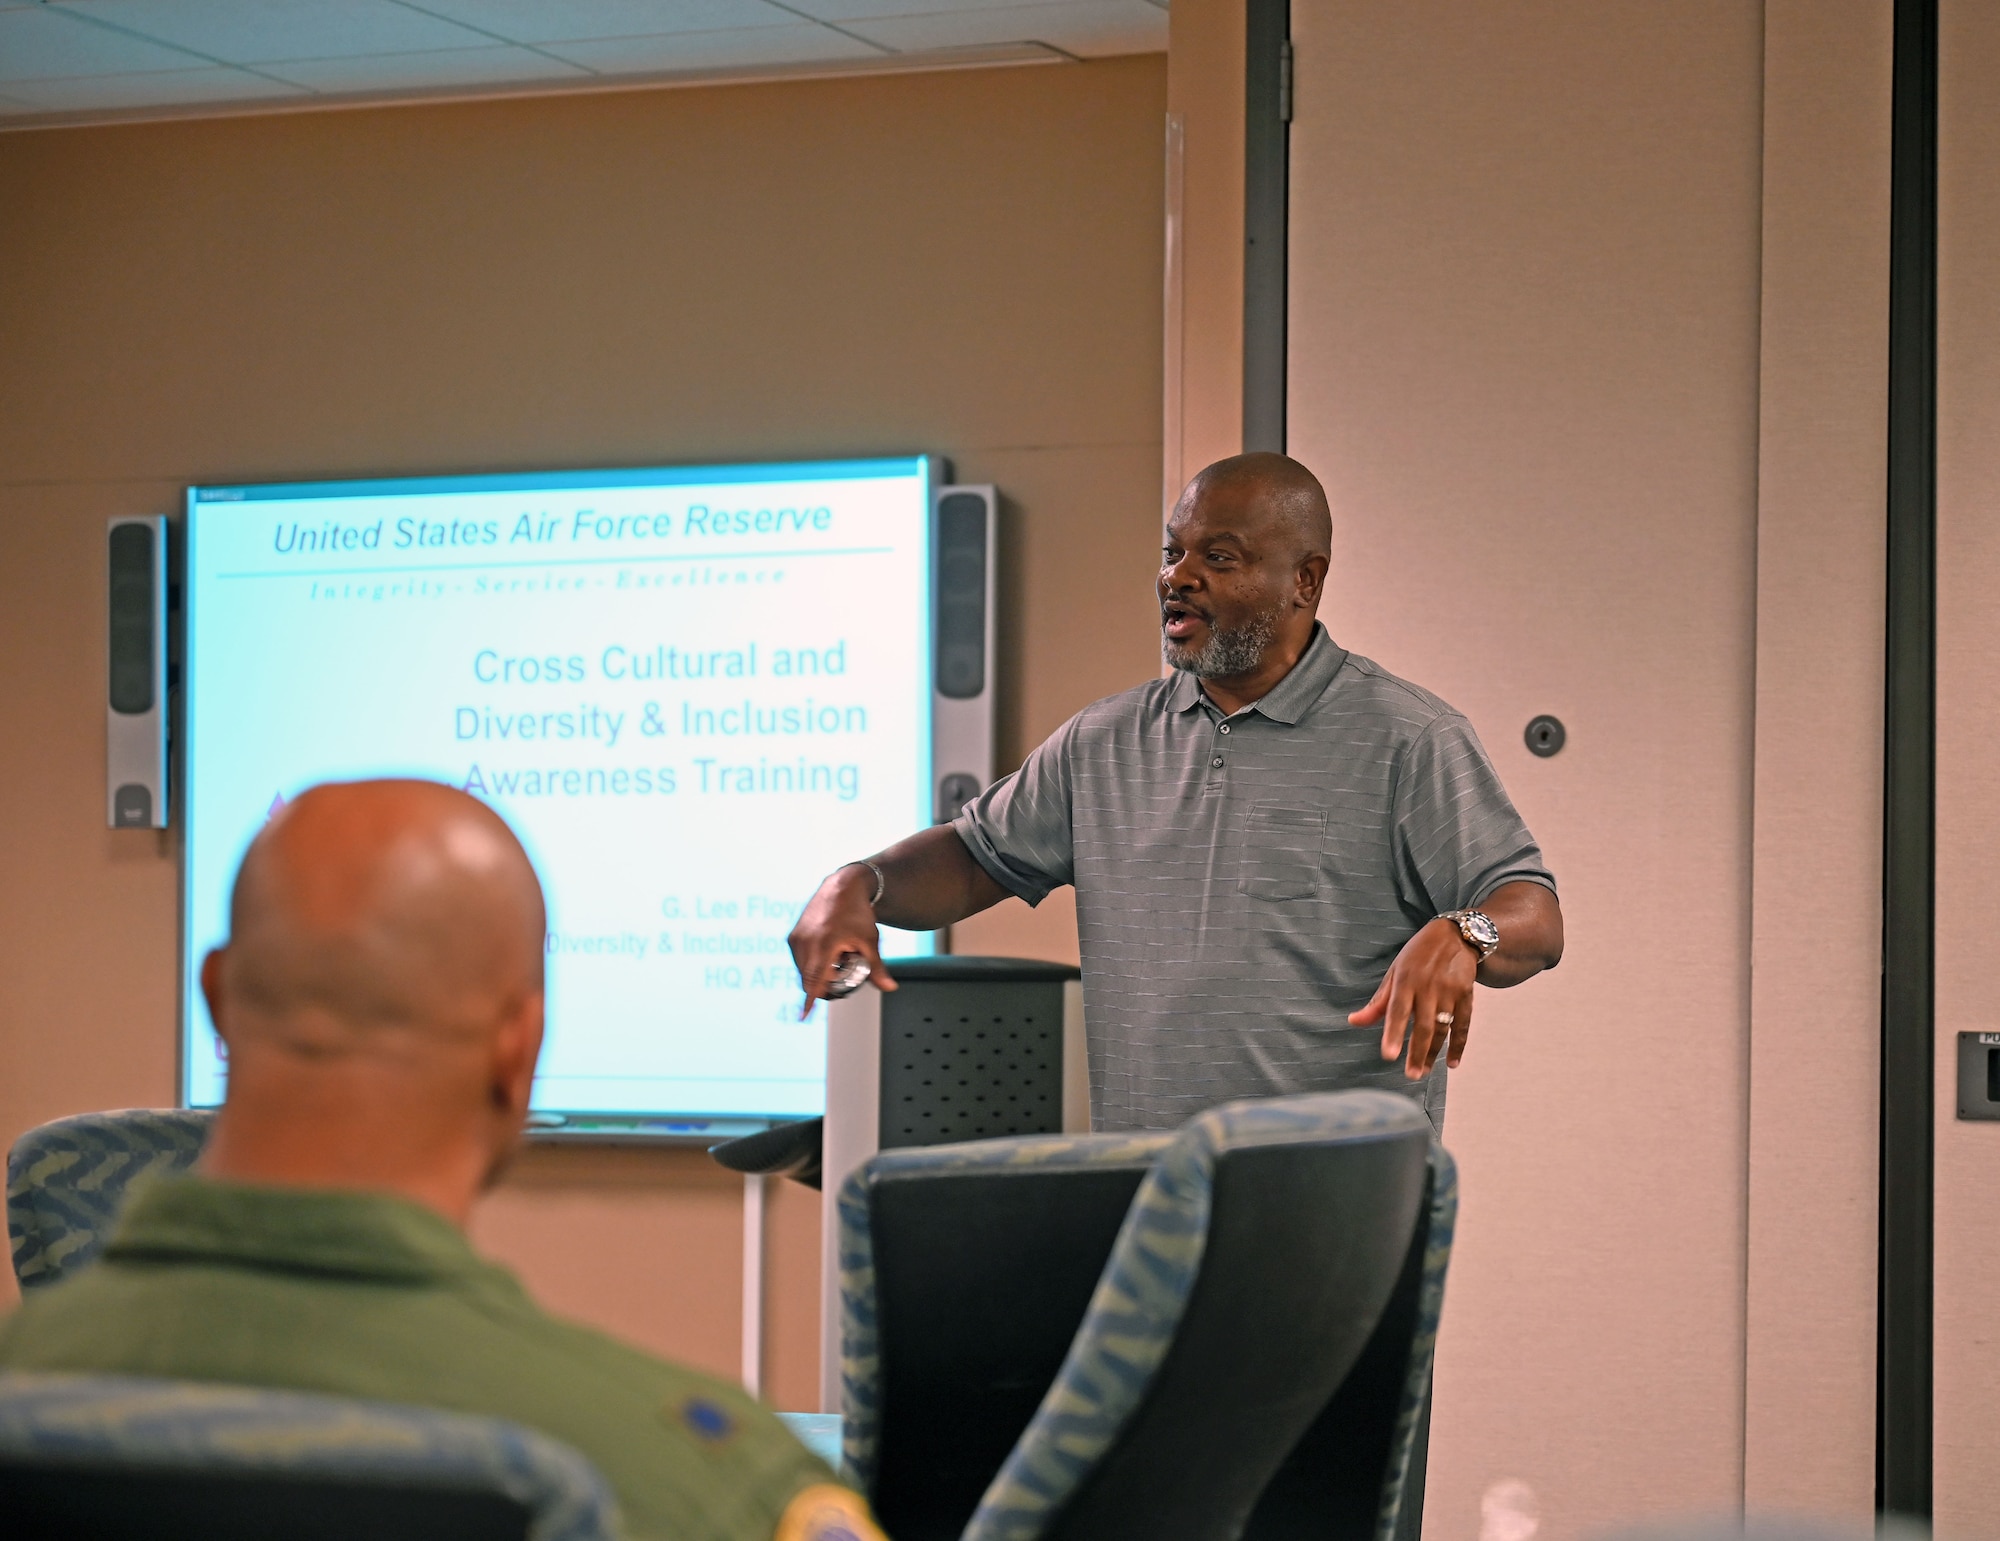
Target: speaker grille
[(967, 1061), (961, 596), (132, 602)]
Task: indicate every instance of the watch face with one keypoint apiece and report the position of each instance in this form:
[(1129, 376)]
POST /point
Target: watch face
[(1482, 932)]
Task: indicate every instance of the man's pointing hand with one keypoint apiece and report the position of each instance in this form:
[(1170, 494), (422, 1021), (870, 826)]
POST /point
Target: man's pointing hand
[(840, 920), (1426, 995)]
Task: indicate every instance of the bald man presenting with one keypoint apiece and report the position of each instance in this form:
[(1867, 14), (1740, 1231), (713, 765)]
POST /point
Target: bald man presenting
[(381, 999), (1290, 866)]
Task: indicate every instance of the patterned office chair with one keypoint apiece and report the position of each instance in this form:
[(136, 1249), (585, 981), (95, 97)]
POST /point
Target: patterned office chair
[(1258, 1297), (120, 1458), (67, 1180)]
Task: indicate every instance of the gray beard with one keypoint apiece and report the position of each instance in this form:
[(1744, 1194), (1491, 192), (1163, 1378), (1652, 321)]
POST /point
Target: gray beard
[(1229, 651)]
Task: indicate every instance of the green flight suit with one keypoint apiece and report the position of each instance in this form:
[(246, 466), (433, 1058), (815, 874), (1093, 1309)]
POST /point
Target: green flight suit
[(365, 1295)]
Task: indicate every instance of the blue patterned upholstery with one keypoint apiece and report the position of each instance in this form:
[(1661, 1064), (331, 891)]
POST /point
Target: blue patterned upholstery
[(1423, 1341), (66, 1181), (1136, 1310), (112, 1422)]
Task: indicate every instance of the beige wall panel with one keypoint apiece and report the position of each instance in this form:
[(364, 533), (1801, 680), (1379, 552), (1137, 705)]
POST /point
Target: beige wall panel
[(1967, 1325), (967, 263), (644, 1244), (1012, 930), (1077, 591), (822, 268), (1524, 359), (1809, 1400), (791, 1300), (1050, 575)]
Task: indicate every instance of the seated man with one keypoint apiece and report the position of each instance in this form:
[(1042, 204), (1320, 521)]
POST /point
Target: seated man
[(381, 999)]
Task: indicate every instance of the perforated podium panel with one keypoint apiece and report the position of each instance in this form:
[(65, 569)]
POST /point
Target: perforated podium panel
[(970, 1061), (964, 1049)]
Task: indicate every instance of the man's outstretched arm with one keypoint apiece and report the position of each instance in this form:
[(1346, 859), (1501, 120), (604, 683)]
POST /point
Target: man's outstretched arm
[(1531, 933), (928, 881)]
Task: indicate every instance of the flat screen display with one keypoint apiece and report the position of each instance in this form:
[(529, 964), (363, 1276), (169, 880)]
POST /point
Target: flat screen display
[(692, 692)]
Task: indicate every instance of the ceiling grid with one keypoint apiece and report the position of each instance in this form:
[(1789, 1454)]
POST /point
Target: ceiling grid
[(70, 61)]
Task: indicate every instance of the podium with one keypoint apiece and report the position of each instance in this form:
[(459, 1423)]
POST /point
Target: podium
[(963, 1049)]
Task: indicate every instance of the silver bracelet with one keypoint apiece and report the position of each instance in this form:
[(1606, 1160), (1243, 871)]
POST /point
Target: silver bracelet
[(881, 882)]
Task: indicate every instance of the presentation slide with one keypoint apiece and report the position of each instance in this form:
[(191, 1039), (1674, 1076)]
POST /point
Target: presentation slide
[(691, 692)]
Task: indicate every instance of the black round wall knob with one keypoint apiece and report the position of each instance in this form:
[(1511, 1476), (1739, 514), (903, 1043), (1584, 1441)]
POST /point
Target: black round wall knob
[(1545, 736)]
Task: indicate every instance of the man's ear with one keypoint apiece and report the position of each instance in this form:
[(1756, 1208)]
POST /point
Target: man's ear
[(1312, 580), (516, 1048), (212, 991)]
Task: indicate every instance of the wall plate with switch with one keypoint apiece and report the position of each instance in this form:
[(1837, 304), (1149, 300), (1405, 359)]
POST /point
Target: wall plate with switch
[(1979, 1075)]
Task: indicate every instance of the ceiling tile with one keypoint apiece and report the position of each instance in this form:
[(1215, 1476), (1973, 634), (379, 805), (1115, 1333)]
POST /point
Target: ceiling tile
[(45, 42), (537, 21), (876, 10), (742, 48), (416, 72), (155, 53), (166, 88), (259, 31), (1090, 28)]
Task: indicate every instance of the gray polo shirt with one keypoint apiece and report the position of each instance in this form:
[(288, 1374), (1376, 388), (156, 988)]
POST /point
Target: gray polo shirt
[(1243, 882)]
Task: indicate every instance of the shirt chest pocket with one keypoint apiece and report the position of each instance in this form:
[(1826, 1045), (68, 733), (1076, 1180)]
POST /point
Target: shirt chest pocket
[(1281, 852)]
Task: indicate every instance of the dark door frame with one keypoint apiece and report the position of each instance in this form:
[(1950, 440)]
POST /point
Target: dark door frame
[(1267, 118), (1909, 811)]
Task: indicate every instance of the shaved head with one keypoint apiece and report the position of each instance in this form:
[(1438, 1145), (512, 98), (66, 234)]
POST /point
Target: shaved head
[(380, 995), (381, 906), (1279, 488)]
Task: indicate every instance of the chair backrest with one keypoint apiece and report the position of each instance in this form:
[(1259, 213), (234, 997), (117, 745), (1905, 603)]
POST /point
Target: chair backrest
[(964, 1272), (1276, 1281), (67, 1180), (1258, 1262), (1350, 1474), (120, 1458)]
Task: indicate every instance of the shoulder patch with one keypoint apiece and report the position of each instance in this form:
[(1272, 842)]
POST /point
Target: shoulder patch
[(827, 1512), (707, 1421)]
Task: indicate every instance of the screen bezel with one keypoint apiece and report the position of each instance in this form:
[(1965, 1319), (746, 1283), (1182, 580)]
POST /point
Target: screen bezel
[(551, 1125)]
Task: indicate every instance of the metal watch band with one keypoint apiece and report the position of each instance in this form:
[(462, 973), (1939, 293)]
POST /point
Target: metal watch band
[(1463, 919)]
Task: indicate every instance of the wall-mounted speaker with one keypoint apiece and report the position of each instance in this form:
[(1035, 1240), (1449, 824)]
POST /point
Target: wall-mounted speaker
[(964, 546), (135, 717)]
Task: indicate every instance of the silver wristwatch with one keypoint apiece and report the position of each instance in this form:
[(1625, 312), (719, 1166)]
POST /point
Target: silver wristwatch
[(1477, 927)]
